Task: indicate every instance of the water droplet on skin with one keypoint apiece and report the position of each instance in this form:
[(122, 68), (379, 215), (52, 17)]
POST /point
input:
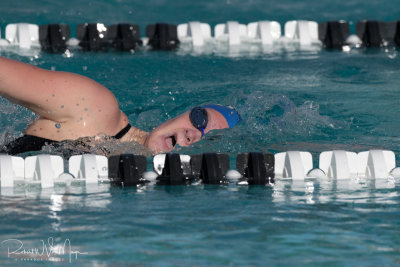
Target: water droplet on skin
[(58, 126)]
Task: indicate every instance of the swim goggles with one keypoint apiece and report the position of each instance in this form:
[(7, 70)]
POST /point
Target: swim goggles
[(199, 119)]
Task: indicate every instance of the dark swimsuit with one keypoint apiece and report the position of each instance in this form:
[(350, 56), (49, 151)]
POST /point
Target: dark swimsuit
[(34, 143)]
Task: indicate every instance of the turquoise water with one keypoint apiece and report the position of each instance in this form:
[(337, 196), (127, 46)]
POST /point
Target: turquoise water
[(290, 100)]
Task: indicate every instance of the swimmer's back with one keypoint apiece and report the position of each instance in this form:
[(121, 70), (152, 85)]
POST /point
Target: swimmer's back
[(70, 105)]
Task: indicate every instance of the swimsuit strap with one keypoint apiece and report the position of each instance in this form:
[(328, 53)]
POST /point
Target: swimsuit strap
[(121, 133)]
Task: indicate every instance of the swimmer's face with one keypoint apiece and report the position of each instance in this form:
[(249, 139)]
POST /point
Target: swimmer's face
[(180, 130)]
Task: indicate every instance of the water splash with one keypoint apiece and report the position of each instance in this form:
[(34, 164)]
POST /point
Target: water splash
[(277, 116), (104, 145)]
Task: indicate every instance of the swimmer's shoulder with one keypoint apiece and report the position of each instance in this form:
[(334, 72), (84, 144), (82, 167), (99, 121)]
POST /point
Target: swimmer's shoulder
[(80, 103), (84, 95)]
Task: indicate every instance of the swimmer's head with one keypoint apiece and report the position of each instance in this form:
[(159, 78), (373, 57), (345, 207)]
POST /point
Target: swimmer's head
[(189, 127)]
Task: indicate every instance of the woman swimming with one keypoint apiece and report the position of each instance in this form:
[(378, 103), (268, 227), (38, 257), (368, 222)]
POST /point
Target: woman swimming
[(71, 107)]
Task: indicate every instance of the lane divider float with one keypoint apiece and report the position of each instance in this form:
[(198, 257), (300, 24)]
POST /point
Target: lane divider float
[(253, 168), (56, 38)]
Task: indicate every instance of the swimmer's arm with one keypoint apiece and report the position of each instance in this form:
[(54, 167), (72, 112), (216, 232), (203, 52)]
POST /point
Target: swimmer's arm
[(58, 96)]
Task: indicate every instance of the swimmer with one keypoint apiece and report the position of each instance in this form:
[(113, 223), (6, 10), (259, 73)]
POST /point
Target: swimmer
[(71, 106)]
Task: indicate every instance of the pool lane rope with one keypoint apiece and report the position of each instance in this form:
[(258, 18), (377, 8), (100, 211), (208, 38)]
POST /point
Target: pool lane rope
[(253, 168), (56, 38)]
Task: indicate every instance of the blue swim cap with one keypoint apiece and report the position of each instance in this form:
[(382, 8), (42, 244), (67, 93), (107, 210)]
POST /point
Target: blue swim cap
[(229, 113)]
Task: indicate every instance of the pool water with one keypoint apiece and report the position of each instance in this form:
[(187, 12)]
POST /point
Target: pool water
[(289, 100)]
